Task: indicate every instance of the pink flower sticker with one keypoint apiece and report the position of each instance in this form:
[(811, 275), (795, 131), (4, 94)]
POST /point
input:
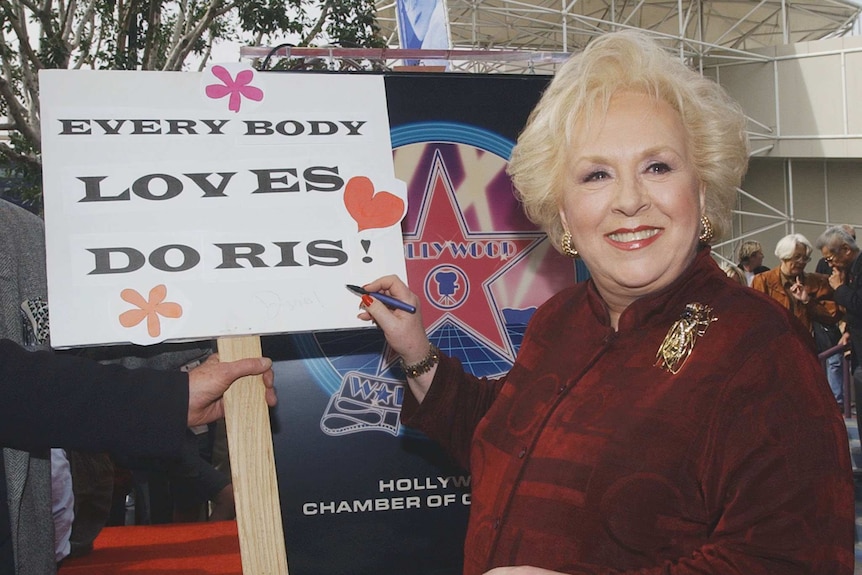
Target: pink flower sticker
[(236, 88)]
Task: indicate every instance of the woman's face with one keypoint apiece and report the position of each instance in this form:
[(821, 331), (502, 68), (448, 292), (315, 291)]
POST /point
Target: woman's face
[(631, 199), (755, 260), (796, 264)]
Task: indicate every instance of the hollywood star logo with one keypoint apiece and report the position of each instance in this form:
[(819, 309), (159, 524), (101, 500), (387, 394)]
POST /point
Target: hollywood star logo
[(455, 266), (472, 256)]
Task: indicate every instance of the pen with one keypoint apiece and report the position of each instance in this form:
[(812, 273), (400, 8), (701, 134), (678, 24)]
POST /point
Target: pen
[(385, 299)]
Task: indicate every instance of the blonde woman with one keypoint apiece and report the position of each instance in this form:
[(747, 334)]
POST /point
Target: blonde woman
[(646, 426)]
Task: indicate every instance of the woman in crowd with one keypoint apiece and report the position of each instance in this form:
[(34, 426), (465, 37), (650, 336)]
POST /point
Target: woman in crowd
[(751, 260), (660, 418), (806, 295)]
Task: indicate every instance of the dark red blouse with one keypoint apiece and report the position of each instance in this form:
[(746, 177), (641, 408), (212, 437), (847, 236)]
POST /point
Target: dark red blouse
[(587, 458)]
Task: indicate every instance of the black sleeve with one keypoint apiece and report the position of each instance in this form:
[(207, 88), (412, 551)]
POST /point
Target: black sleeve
[(850, 298), (51, 400)]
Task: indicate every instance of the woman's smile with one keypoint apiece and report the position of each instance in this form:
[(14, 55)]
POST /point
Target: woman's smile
[(634, 239)]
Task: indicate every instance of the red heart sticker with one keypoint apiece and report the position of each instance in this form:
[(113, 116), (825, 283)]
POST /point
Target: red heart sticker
[(370, 209)]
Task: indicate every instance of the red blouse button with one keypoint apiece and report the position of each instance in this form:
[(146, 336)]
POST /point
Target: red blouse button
[(522, 453)]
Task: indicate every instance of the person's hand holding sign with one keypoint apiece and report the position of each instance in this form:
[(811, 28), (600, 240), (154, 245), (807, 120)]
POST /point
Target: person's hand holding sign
[(209, 381)]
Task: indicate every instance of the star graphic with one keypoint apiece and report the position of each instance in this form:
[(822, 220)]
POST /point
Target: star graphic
[(453, 268), (383, 395)]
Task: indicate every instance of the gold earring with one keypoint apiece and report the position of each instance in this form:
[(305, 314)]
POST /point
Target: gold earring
[(568, 246), (706, 233)]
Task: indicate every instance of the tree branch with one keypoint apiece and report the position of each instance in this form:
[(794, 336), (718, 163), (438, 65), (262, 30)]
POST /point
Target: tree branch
[(318, 26), (16, 156), (17, 19), (42, 13), (181, 49), (180, 23), (85, 30), (19, 115), (125, 13), (67, 17)]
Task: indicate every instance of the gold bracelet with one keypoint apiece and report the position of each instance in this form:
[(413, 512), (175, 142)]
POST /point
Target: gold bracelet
[(424, 366)]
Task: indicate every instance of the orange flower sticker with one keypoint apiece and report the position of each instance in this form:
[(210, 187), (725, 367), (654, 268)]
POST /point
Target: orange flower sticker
[(149, 309)]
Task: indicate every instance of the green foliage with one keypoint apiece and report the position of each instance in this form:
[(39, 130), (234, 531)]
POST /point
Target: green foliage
[(272, 17), (21, 180), (353, 25)]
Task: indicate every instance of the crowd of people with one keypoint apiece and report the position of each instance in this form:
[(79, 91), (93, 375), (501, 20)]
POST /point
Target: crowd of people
[(808, 296)]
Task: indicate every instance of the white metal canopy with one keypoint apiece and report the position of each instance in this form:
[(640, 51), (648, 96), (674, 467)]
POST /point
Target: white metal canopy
[(701, 28)]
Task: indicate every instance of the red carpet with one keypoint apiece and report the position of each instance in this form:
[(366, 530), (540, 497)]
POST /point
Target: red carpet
[(175, 549)]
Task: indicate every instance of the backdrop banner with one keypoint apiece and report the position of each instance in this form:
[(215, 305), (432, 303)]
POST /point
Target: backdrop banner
[(360, 494)]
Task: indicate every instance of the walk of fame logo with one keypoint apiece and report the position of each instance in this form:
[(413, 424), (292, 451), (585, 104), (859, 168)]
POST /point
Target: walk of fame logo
[(456, 253), (363, 403)]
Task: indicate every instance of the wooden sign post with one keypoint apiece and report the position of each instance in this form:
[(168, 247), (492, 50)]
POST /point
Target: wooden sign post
[(252, 463)]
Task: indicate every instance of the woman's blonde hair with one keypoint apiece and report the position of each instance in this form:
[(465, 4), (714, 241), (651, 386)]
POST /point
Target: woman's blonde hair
[(581, 92), (748, 249)]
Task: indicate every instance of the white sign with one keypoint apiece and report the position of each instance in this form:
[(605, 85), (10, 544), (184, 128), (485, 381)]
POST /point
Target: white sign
[(184, 205)]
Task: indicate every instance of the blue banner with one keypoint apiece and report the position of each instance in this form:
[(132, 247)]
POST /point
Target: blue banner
[(423, 24)]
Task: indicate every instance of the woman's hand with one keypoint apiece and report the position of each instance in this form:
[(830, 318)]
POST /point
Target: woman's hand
[(404, 331), (799, 291)]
